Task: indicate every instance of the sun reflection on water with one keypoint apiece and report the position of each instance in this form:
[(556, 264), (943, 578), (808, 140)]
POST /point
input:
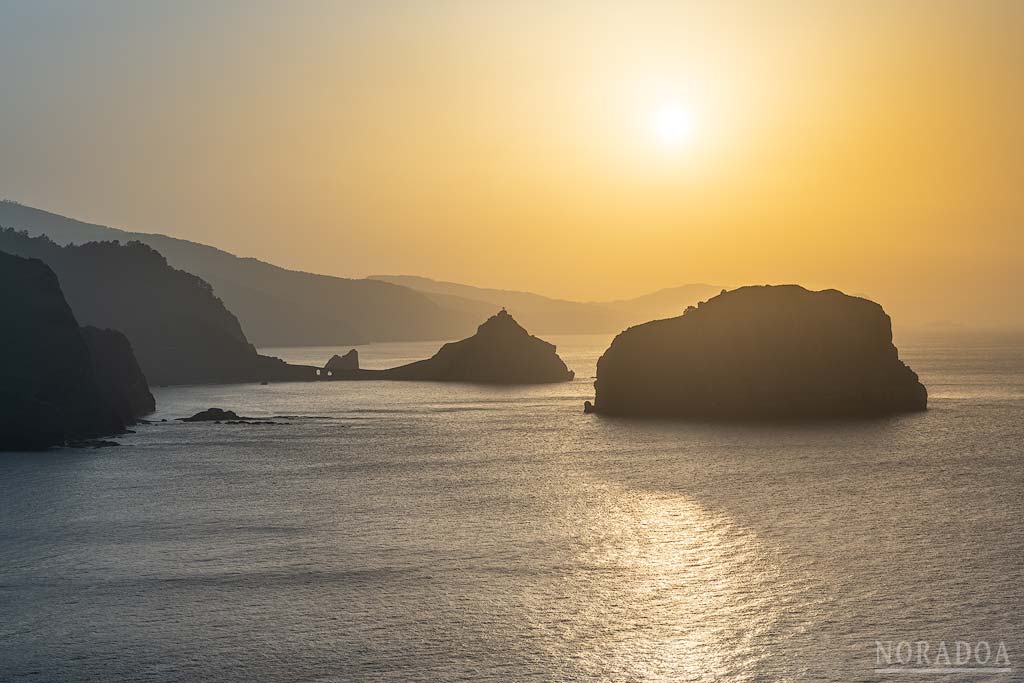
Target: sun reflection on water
[(661, 589)]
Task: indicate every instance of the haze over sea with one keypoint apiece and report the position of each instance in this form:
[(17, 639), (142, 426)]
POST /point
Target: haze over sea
[(402, 531)]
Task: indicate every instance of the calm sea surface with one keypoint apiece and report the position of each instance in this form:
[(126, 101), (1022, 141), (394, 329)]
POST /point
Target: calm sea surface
[(437, 532)]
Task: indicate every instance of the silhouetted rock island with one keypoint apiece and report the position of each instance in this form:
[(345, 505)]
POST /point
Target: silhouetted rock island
[(760, 352), (350, 361), (501, 352), (59, 383)]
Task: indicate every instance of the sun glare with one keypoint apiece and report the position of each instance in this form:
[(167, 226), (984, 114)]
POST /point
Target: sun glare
[(672, 126)]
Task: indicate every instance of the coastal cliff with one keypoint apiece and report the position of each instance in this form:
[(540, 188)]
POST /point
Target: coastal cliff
[(501, 352), (59, 383), (760, 352), (119, 378), (180, 331)]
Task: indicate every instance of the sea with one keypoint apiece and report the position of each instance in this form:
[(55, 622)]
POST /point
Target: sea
[(402, 531)]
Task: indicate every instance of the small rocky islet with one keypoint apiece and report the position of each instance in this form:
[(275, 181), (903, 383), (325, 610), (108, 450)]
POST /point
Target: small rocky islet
[(501, 352), (221, 416)]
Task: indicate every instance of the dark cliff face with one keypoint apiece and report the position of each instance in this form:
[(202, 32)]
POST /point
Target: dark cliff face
[(119, 378), (180, 331), (761, 352), (49, 390), (501, 352)]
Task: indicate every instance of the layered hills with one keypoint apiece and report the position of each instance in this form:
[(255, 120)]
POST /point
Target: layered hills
[(280, 307), (557, 316), (276, 306), (180, 331)]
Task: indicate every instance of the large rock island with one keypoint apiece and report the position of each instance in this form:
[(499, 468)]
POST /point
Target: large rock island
[(59, 382), (501, 352), (760, 352)]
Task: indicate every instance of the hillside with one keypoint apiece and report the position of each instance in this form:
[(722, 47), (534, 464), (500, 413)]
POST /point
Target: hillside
[(275, 306), (280, 307), (180, 331)]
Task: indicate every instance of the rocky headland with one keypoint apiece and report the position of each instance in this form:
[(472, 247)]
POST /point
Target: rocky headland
[(59, 383), (118, 375), (180, 331), (760, 352)]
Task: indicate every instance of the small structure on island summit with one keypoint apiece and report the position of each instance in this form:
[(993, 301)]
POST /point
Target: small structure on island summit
[(501, 352), (760, 352)]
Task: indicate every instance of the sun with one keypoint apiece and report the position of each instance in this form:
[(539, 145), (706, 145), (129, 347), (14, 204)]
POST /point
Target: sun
[(672, 126)]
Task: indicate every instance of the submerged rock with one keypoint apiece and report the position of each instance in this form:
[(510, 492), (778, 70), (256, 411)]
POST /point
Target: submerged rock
[(92, 443), (213, 415), (761, 352), (501, 352)]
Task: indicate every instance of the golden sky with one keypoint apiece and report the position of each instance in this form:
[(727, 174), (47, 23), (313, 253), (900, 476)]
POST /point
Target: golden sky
[(588, 150)]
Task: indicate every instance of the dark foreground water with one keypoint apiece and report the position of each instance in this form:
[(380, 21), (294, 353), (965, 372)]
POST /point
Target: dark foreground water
[(430, 532)]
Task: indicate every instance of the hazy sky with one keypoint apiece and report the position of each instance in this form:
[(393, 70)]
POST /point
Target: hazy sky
[(581, 149)]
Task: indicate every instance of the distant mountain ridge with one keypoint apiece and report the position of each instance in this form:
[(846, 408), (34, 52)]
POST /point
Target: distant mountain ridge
[(280, 307), (560, 316)]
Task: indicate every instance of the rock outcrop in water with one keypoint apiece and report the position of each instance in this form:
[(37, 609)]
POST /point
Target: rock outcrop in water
[(760, 352), (501, 352), (350, 361), (58, 383), (230, 417), (213, 415)]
